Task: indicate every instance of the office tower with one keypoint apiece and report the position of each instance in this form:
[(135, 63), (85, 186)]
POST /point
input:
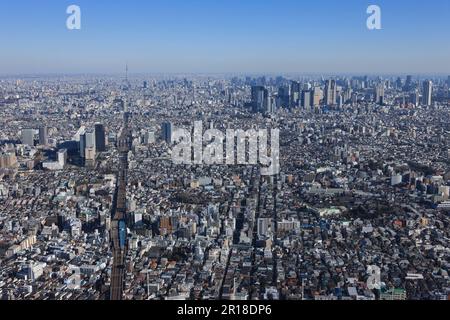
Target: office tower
[(284, 96), (145, 85), (307, 99), (43, 136), (416, 98), (269, 104), (379, 94), (100, 139), (427, 92), (90, 139), (448, 81), (167, 128), (62, 157), (260, 97), (82, 145), (340, 100), (257, 98), (399, 83), (295, 94), (316, 96), (28, 137), (330, 93), (408, 84)]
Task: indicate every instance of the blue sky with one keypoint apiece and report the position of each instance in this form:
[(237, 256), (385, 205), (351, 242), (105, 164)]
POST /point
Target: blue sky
[(245, 36)]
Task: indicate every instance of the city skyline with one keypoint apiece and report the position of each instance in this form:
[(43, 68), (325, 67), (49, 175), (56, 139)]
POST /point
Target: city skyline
[(225, 37)]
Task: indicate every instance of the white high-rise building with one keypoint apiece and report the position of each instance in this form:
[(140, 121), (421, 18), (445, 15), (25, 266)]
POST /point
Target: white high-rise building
[(427, 92), (62, 157)]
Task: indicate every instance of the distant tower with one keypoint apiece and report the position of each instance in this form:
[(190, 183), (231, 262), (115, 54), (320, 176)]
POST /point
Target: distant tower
[(100, 137), (166, 129), (427, 92), (408, 84), (43, 136), (330, 92), (258, 95), (379, 94)]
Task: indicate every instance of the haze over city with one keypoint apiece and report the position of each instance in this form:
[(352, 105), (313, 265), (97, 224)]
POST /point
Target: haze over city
[(234, 36)]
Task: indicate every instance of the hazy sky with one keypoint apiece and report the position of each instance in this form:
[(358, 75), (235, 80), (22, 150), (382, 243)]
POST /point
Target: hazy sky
[(315, 36)]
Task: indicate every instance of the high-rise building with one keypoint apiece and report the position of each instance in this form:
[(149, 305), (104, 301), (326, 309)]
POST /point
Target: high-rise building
[(28, 137), (408, 84), (82, 145), (284, 96), (262, 101), (269, 105), (43, 136), (295, 94), (427, 92), (399, 83), (416, 98), (62, 157), (330, 92), (379, 94), (316, 96), (167, 129), (258, 95), (90, 139), (448, 81), (307, 99), (100, 139)]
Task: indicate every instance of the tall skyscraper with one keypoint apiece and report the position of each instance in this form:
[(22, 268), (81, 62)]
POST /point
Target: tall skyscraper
[(258, 94), (330, 92), (307, 99), (416, 98), (448, 81), (408, 84), (82, 145), (62, 157), (399, 83), (284, 96), (316, 96), (43, 136), (427, 92), (100, 140), (295, 94), (167, 129), (90, 139), (28, 137), (379, 94)]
